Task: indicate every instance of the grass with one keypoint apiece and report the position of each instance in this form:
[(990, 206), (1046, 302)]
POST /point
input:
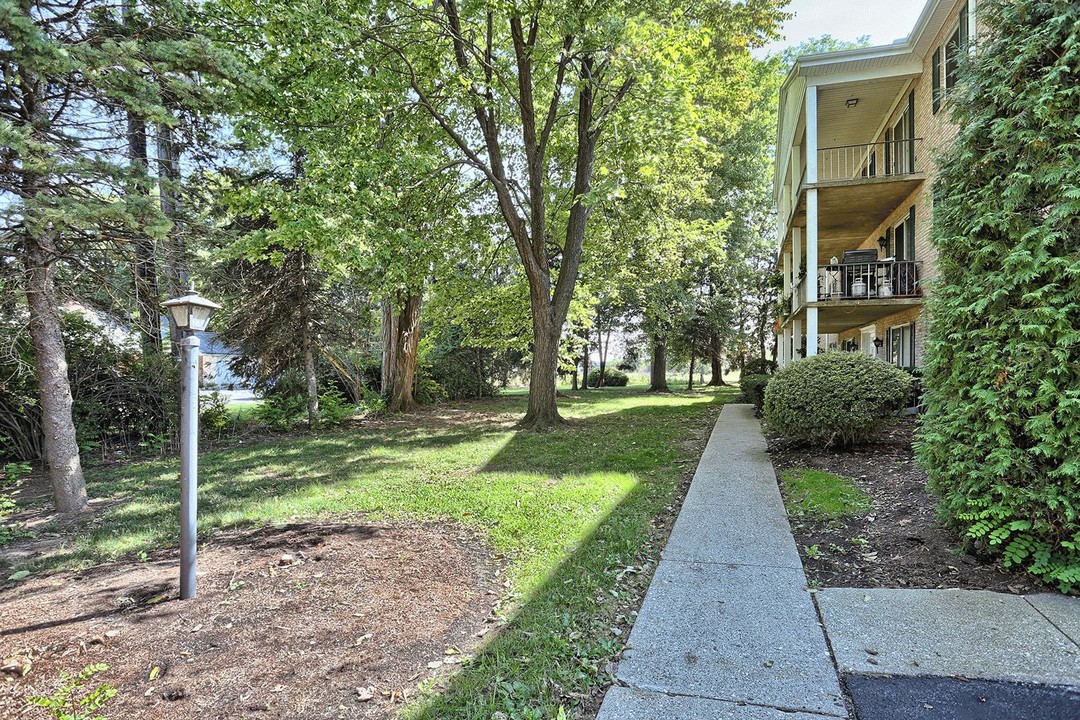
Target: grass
[(821, 495), (571, 510)]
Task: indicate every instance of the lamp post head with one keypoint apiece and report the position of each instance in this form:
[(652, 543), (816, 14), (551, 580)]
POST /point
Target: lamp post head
[(190, 312), (878, 342)]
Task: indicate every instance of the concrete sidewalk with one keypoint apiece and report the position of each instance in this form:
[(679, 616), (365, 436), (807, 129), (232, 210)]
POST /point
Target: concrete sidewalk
[(729, 631), (727, 628)]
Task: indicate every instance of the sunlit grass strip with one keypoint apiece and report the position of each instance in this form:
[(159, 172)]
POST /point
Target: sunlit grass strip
[(821, 495)]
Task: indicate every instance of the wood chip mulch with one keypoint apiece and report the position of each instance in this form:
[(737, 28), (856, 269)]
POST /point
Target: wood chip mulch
[(302, 621), (900, 542)]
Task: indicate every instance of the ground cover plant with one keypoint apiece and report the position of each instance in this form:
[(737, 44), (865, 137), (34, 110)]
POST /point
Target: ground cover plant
[(866, 519), (576, 516)]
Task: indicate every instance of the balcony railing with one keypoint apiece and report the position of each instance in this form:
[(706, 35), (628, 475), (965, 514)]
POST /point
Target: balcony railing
[(870, 281), (872, 160)]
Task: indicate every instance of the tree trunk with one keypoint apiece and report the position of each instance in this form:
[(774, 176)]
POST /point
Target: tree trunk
[(658, 371), (716, 360), (388, 339), (50, 357), (174, 256), (573, 380), (480, 372), (543, 411), (50, 360), (145, 270), (690, 383), (310, 380), (585, 364), (603, 355), (405, 342)]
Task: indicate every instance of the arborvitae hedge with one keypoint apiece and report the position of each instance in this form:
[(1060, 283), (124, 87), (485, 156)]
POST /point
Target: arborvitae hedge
[(1001, 433)]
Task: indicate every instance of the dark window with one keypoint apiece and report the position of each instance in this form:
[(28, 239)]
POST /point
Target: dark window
[(952, 59), (935, 71)]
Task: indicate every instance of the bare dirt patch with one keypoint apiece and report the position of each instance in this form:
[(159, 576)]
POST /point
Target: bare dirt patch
[(301, 621), (900, 541)]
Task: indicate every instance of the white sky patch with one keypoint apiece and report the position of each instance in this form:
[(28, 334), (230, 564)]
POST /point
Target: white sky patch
[(884, 22)]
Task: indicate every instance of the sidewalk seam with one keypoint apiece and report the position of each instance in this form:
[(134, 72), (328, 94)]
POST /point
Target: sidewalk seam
[(729, 701), (1052, 623)]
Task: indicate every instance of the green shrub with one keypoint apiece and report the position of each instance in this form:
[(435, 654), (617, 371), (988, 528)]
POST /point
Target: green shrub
[(753, 390), (334, 407), (282, 411), (1000, 433), (612, 378), (213, 414), (759, 366), (122, 400), (835, 399)]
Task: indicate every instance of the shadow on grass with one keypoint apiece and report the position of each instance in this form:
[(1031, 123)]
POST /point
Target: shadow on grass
[(595, 485)]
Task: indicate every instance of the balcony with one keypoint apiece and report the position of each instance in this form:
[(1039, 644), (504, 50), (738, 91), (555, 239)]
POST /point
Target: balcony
[(881, 280), (859, 186), (869, 161)]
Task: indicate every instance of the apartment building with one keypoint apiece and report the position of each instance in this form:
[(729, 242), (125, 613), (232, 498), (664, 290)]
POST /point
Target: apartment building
[(858, 136)]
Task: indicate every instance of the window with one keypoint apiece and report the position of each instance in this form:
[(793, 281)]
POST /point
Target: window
[(903, 237), (945, 62), (900, 345), (900, 142)]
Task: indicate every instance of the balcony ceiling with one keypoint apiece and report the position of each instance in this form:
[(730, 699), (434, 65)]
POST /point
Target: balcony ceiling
[(840, 125), (836, 316), (849, 211)]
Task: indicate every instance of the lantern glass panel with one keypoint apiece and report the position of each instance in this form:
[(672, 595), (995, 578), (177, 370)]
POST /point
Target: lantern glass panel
[(200, 317), (179, 315)]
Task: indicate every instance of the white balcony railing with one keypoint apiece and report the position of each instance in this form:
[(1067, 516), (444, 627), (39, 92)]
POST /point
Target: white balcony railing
[(871, 160)]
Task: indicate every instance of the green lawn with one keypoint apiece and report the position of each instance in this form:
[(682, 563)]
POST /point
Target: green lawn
[(570, 509)]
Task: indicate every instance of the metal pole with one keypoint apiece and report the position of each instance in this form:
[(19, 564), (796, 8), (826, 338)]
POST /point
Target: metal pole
[(189, 461)]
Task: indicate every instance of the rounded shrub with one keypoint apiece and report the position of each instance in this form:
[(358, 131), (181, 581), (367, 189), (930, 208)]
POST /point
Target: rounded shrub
[(835, 399), (753, 389), (612, 378)]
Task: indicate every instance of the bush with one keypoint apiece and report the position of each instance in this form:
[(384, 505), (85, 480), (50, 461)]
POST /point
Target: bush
[(122, 400), (1000, 433), (759, 366), (213, 415), (334, 407), (753, 390), (612, 378), (835, 399)]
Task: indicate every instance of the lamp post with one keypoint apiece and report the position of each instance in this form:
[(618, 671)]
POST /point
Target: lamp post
[(878, 342), (189, 313)]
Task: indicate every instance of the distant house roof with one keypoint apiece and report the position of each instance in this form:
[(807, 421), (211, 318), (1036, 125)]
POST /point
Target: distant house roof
[(211, 345)]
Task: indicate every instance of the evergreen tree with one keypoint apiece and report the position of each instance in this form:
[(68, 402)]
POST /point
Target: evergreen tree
[(1002, 426)]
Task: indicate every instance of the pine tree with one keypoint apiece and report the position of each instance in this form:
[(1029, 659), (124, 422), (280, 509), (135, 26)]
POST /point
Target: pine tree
[(73, 73), (1002, 426)]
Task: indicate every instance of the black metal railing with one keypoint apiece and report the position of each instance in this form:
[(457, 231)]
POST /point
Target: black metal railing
[(874, 280), (869, 160)]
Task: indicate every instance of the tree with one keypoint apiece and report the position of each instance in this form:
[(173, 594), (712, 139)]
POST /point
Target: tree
[(513, 71), (71, 74), (1002, 373)]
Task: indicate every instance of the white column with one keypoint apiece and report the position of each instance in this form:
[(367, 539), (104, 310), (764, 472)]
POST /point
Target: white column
[(787, 274), (811, 134), (811, 245), (811, 331), (785, 346), (796, 338), (796, 259), (796, 170)]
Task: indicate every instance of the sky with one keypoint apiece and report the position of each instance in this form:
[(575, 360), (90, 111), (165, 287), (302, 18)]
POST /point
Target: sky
[(883, 20)]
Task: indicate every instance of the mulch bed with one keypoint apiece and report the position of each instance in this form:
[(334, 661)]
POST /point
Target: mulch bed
[(302, 621), (900, 541)]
